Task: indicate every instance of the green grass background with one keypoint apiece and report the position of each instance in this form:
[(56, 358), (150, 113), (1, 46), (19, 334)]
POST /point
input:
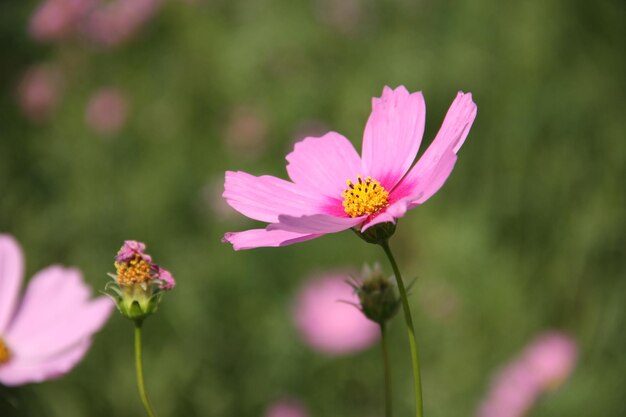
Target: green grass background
[(528, 233)]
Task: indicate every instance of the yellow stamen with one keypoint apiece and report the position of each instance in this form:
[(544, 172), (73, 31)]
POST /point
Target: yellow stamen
[(365, 197), (136, 271), (5, 354)]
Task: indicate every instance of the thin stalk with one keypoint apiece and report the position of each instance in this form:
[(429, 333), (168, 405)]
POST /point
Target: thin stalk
[(139, 368), (388, 407), (419, 407)]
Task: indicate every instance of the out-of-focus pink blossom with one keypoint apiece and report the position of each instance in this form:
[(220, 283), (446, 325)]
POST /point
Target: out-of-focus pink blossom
[(326, 322), (39, 92), (543, 365), (551, 359), (58, 19), (246, 132), (114, 22), (286, 408), (512, 393), (107, 111), (46, 333)]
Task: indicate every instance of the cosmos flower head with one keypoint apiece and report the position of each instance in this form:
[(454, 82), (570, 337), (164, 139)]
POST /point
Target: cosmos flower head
[(45, 333), (333, 189), (138, 283)]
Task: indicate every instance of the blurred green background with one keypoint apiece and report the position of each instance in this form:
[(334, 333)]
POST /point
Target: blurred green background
[(528, 233)]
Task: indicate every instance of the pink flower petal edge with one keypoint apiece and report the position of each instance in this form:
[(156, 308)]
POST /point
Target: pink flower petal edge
[(314, 203), (50, 331)]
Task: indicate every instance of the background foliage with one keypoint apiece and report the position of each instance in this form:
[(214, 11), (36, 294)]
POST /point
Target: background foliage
[(528, 234)]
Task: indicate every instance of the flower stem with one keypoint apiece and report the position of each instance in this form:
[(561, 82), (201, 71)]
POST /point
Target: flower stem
[(139, 369), (388, 407), (419, 408)]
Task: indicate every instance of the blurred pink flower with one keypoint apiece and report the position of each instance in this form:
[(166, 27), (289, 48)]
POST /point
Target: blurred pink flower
[(107, 111), (551, 359), (326, 322), (39, 92), (512, 393), (115, 22), (46, 333), (286, 408), (57, 19), (246, 131), (543, 365), (334, 189)]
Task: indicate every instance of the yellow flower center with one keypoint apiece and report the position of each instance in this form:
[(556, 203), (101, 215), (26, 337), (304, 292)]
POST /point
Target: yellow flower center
[(5, 354), (364, 197), (136, 271)]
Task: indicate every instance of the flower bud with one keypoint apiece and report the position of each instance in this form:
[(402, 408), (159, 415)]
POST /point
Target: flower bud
[(377, 295), (138, 284)]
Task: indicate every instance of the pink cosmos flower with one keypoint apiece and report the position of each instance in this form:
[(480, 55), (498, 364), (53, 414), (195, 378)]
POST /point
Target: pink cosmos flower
[(57, 19), (333, 189), (39, 92), (543, 365), (513, 392), (286, 408), (115, 22), (107, 111), (551, 358), (326, 322), (46, 333)]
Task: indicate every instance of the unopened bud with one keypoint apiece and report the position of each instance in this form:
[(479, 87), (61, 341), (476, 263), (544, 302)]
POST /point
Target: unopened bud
[(377, 295)]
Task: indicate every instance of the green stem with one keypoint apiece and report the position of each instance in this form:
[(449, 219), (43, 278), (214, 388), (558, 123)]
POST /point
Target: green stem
[(419, 408), (139, 369), (388, 408)]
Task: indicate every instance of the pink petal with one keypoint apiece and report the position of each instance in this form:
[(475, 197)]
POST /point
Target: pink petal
[(437, 177), (22, 370), (324, 164), (434, 167), (265, 198), (392, 135), (11, 272), (55, 314), (261, 238), (317, 223)]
